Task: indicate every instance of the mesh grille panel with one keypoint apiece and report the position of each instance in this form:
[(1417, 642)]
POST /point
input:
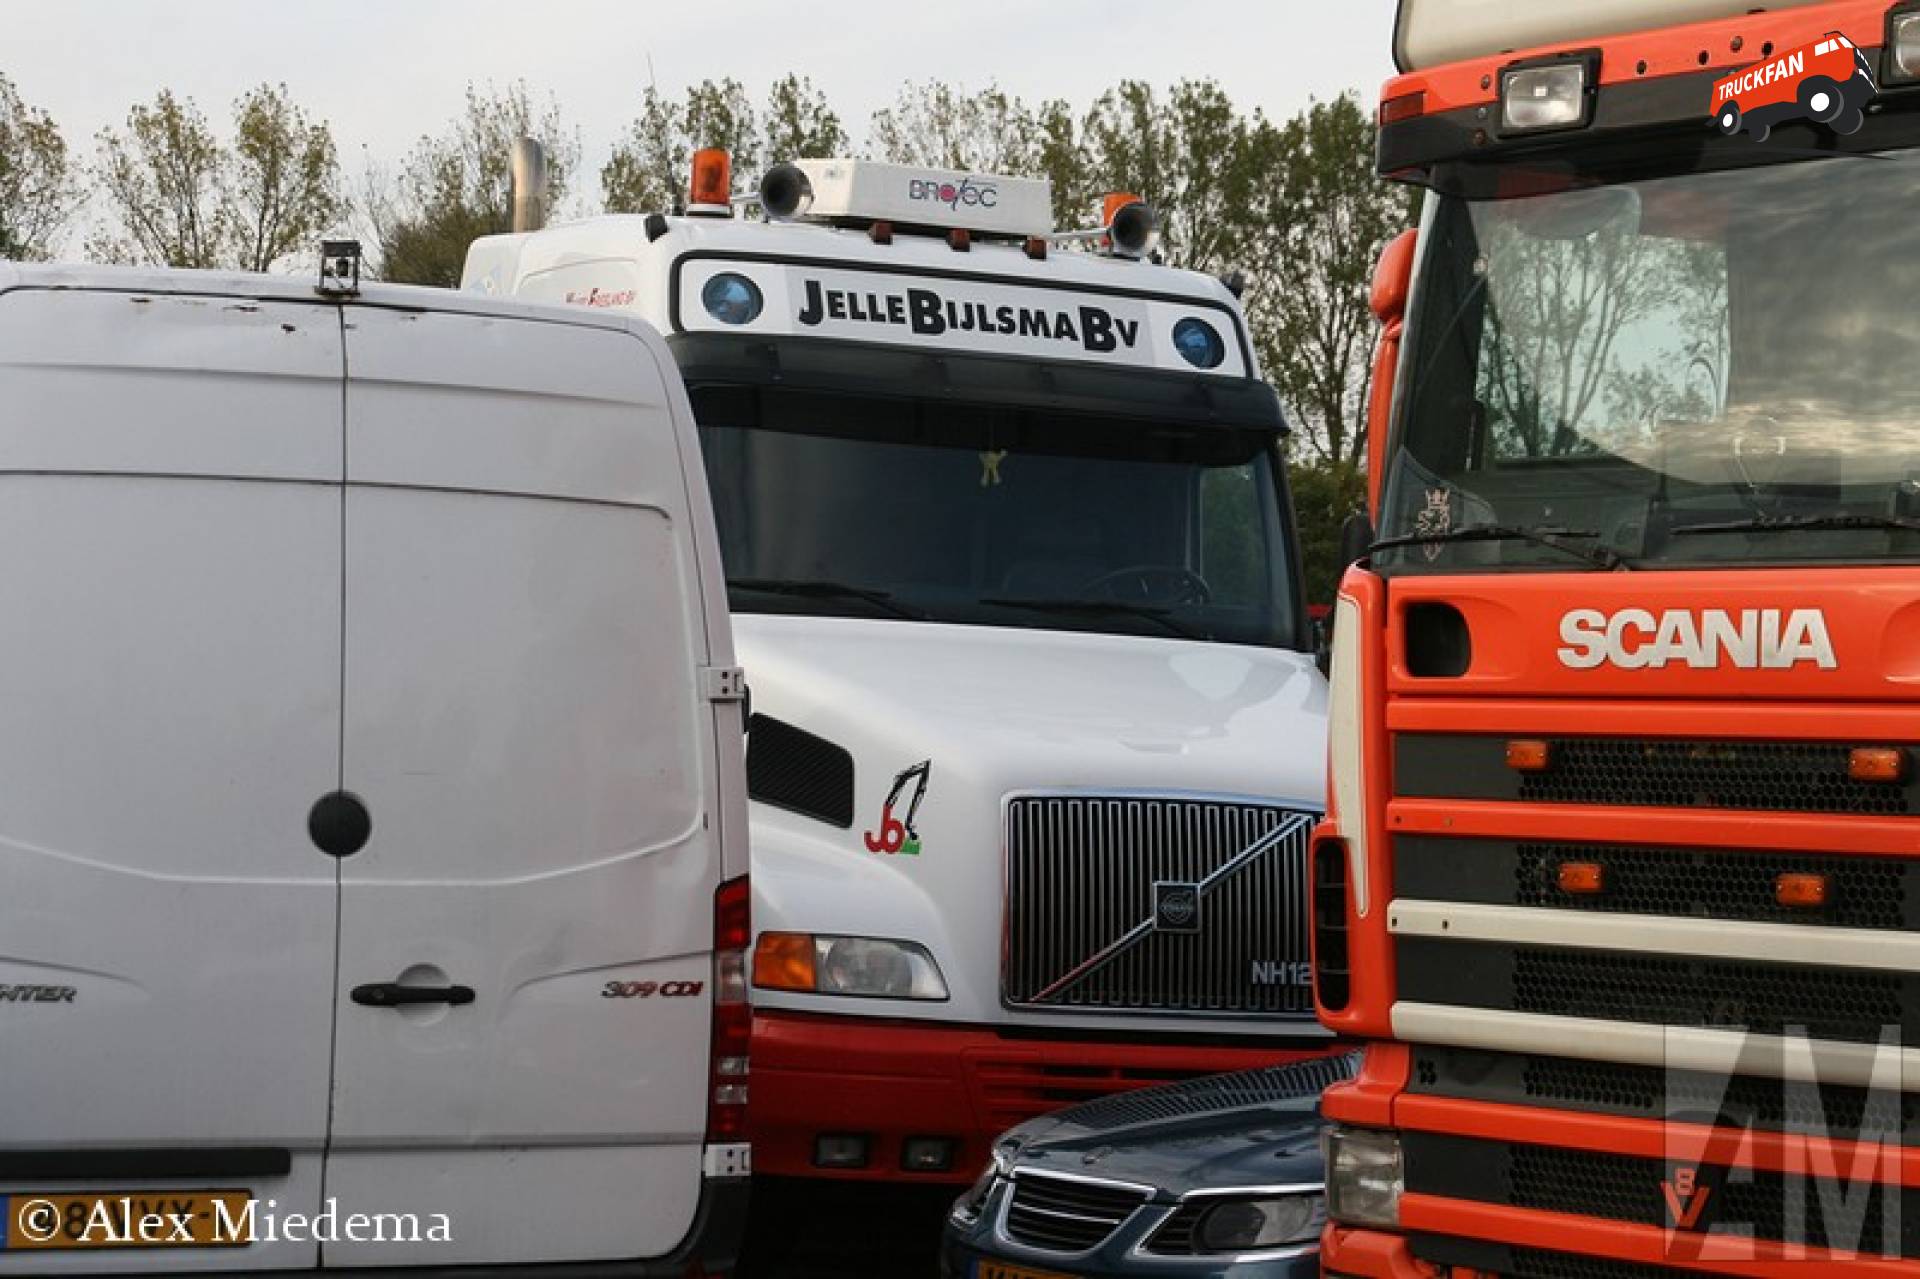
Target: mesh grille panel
[(791, 768), (1803, 777)]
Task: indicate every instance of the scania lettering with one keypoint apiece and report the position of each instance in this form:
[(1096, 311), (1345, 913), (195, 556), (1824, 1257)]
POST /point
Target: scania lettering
[(1038, 733), (1618, 877)]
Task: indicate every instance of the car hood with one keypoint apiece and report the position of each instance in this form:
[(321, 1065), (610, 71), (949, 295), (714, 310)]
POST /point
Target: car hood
[(1250, 1128)]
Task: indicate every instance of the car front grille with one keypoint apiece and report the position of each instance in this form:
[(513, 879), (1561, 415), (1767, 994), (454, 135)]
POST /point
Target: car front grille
[(1067, 1216), (1162, 904)]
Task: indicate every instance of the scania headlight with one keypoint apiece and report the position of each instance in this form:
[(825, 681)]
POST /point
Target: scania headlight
[(1903, 46), (875, 967), (1544, 97), (1249, 1225), (1365, 1176)]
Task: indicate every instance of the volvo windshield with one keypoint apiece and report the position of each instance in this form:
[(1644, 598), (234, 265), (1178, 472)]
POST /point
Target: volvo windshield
[(1714, 368), (922, 510)]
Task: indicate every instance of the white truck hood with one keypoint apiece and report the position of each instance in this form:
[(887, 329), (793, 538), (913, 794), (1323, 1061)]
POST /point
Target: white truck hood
[(999, 711)]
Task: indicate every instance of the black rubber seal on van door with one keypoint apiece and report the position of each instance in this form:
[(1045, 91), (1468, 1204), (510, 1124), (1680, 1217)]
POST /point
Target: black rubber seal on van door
[(156, 1163)]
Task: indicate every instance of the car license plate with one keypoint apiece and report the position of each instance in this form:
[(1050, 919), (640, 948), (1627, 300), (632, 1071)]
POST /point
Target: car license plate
[(126, 1219), (1001, 1270)]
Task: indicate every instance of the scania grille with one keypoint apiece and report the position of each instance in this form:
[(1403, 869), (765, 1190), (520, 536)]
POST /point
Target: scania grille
[(1842, 1004), (1685, 883), (1871, 1219), (1770, 1104), (1793, 777), (1144, 903), (1068, 1216), (1500, 1261)]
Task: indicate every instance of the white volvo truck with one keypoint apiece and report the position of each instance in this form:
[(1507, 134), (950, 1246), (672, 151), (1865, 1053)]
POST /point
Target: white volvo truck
[(1037, 732)]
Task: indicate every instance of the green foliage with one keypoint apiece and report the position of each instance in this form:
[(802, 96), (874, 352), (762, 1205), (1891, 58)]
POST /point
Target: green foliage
[(1324, 495), (181, 197), (162, 180), (800, 124), (457, 185), (37, 189)]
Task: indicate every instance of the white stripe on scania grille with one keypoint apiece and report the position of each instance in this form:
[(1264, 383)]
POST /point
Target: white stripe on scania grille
[(1718, 1052), (1658, 935)]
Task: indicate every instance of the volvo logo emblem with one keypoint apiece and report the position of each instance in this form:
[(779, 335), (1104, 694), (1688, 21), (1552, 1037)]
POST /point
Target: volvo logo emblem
[(1176, 907)]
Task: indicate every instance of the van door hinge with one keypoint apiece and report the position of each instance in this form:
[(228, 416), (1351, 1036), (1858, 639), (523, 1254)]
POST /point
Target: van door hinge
[(724, 683)]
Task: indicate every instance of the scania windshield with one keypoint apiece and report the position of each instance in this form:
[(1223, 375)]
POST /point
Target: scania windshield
[(909, 509), (1712, 368)]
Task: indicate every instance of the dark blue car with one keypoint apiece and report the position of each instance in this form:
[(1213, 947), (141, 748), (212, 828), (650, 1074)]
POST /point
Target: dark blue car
[(1213, 1177)]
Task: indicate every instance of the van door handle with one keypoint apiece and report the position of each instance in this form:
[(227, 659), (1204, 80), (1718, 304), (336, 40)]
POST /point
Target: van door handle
[(391, 994)]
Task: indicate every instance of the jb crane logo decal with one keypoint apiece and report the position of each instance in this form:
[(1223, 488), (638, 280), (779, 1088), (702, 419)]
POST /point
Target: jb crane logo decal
[(897, 834), (1828, 82), (964, 194)]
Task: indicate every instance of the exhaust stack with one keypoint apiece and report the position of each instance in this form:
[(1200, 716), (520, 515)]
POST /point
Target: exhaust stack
[(528, 168)]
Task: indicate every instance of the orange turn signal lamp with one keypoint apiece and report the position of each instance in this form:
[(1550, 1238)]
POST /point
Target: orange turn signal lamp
[(1529, 755), (1583, 879), (711, 191), (1800, 890), (1877, 764), (784, 961)]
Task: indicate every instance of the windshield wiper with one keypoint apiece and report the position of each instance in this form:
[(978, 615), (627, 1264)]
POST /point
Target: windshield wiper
[(822, 590), (1098, 607), (1554, 538), (1791, 523)]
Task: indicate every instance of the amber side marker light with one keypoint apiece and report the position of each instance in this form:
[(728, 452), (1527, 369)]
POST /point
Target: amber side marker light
[(1802, 891), (784, 961), (1529, 755), (1877, 764), (1585, 879), (1404, 107)]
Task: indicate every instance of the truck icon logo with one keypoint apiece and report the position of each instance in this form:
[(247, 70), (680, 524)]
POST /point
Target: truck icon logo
[(1828, 82), (1176, 907), (897, 834)]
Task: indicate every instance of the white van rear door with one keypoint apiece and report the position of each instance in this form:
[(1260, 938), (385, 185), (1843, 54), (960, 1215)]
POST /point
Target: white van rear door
[(525, 723), (170, 525)]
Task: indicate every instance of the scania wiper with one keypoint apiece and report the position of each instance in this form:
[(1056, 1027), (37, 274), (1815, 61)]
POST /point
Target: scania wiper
[(823, 590), (1553, 538), (1795, 523), (1097, 607)]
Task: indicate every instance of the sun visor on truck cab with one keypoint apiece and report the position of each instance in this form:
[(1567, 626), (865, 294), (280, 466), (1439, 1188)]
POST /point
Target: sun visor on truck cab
[(1429, 33), (865, 368)]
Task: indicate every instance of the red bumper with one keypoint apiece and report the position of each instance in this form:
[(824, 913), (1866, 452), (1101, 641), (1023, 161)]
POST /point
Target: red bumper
[(888, 1081)]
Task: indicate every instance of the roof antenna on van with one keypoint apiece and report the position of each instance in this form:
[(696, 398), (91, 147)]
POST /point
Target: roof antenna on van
[(339, 269)]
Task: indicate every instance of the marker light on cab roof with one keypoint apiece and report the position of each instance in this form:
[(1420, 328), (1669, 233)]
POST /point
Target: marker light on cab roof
[(1543, 97)]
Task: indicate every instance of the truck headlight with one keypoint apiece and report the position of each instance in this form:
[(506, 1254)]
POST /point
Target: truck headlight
[(1544, 97), (1903, 46), (874, 967), (1366, 1176), (1247, 1225)]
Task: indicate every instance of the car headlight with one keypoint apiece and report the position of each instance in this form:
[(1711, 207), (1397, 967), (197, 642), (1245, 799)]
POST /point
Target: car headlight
[(1247, 1225), (1366, 1176), (874, 967), (968, 1207)]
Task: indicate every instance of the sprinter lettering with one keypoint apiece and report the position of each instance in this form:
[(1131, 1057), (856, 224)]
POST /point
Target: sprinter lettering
[(1750, 639)]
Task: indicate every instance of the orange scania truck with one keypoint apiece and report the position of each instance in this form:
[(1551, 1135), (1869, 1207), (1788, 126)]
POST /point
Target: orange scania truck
[(1620, 880)]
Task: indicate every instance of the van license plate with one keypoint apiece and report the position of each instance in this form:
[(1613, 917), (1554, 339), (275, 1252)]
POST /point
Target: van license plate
[(126, 1219), (1001, 1270)]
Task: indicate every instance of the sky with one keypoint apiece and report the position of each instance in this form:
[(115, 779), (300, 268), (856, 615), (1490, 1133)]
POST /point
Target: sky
[(384, 72)]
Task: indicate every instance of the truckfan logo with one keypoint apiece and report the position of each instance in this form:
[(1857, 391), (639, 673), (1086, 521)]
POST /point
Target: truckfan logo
[(1828, 82), (897, 834), (1176, 907), (1752, 639), (966, 192)]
